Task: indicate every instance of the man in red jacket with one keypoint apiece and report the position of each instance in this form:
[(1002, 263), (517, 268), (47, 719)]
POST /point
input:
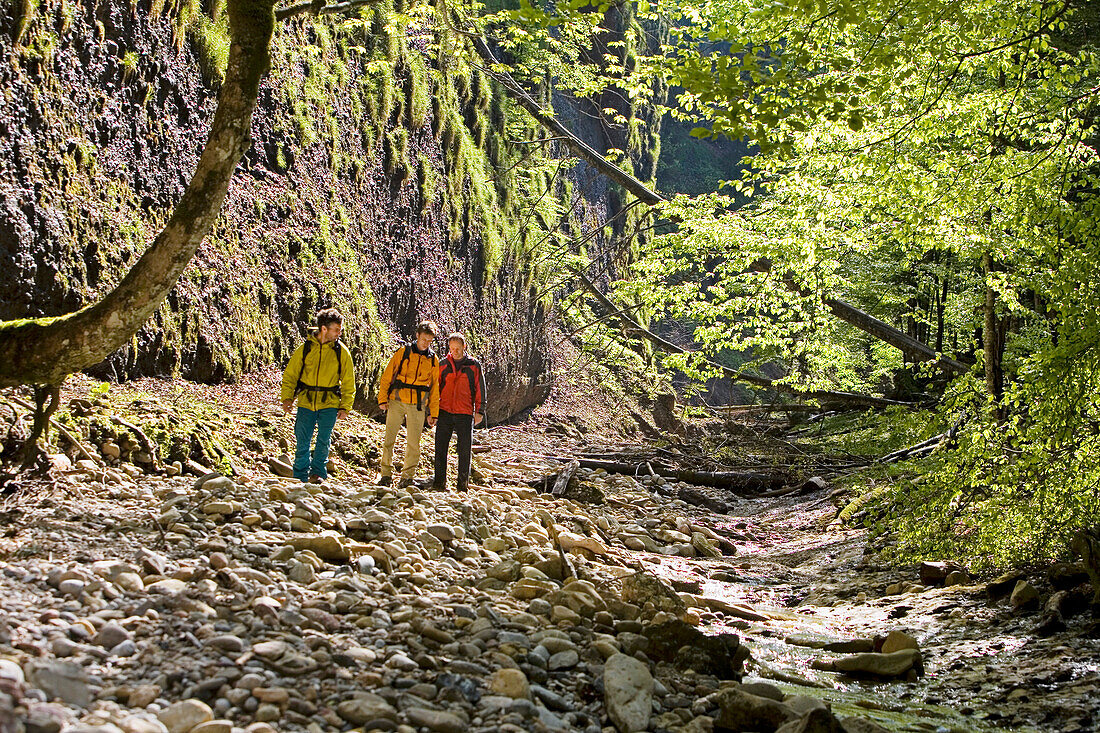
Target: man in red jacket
[(461, 406)]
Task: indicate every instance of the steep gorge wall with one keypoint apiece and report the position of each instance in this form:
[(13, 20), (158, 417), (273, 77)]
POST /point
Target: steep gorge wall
[(377, 183)]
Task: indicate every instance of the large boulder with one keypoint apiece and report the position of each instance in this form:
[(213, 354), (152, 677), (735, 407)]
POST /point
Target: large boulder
[(686, 647), (740, 711), (628, 693)]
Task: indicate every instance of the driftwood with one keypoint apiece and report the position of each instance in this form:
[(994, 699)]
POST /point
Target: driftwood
[(848, 398), (60, 429), (147, 445), (723, 479), (561, 483)]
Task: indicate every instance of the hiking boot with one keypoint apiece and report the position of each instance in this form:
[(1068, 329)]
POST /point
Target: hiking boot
[(463, 483), (315, 479), (385, 480), (405, 483)]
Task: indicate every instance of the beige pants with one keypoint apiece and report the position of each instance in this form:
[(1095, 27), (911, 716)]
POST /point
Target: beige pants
[(396, 413)]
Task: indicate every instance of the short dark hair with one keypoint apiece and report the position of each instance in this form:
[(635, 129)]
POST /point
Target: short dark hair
[(456, 336), (427, 327), (329, 316)]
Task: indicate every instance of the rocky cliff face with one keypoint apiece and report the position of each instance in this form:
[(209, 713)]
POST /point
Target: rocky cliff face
[(376, 183)]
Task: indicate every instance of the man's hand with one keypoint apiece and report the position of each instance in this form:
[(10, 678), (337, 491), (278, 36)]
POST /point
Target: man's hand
[(431, 422), (383, 406), (478, 417), (341, 414), (286, 404)]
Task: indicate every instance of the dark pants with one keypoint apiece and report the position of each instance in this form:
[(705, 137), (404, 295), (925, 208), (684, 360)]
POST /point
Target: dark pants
[(463, 427)]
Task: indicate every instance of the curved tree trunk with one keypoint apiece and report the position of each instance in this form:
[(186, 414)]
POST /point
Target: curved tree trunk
[(46, 350)]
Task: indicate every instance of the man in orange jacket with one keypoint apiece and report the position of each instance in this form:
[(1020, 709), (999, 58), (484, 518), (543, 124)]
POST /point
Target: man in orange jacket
[(461, 407), (409, 393)]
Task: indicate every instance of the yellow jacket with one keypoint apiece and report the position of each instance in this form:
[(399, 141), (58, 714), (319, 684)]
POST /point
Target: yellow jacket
[(421, 369), (320, 370)]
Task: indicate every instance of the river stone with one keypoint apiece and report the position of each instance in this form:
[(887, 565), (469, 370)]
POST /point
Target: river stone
[(898, 640), (168, 587), (141, 723), (510, 683), (740, 711), (436, 720), (10, 670), (861, 725), (898, 664), (628, 693), (957, 577), (111, 635), (184, 715), (62, 680), (219, 484), (803, 704), (325, 546), (143, 695), (365, 707), (570, 540), (442, 532), (563, 660), (227, 643), (1024, 597), (213, 726), (817, 720)]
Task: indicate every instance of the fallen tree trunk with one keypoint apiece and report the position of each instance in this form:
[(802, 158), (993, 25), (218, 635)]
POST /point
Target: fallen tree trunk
[(847, 398), (723, 479)]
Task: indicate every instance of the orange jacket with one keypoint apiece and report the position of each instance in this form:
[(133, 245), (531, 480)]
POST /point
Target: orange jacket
[(412, 377)]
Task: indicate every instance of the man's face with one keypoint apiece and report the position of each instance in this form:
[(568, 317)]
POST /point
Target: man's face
[(456, 348), (424, 340), (330, 333)]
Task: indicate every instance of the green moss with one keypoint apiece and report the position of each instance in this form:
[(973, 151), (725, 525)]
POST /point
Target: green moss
[(417, 91)]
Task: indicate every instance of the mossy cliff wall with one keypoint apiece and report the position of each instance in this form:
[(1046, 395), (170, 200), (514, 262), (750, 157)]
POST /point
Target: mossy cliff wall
[(380, 181)]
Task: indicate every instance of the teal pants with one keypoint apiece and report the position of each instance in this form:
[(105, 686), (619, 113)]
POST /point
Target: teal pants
[(305, 422)]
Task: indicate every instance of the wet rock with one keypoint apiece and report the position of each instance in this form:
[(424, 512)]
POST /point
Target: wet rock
[(741, 711), (184, 715), (686, 647), (1024, 598), (803, 704), (213, 726), (628, 693), (861, 725), (763, 689), (887, 666), (817, 720)]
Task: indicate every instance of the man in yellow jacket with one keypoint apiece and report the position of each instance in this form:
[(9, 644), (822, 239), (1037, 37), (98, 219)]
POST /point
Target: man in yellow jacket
[(320, 374), (409, 393)]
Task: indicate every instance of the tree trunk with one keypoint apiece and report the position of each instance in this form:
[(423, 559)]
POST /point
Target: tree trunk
[(992, 343), (46, 350)]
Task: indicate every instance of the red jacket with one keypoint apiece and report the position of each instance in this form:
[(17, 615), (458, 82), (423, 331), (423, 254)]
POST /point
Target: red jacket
[(461, 386)]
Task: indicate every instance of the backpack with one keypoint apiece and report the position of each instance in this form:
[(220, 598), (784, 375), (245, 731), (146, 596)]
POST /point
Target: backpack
[(418, 388), (303, 387)]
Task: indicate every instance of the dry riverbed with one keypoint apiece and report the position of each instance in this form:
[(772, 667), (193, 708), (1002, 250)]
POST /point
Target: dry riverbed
[(153, 604)]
